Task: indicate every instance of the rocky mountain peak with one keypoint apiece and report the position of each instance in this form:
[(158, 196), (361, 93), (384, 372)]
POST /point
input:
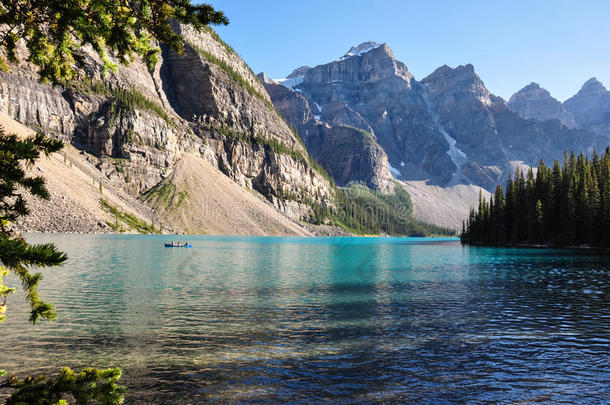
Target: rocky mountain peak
[(264, 78), (362, 49), (532, 88), (533, 101), (369, 62), (532, 91), (591, 107), (365, 109), (592, 86), (298, 72), (463, 74), (462, 79)]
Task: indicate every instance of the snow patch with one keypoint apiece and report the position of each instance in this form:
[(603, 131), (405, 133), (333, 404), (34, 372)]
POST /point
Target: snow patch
[(361, 49), (402, 164), (317, 117), (290, 82), (458, 157), (395, 172), (318, 106)]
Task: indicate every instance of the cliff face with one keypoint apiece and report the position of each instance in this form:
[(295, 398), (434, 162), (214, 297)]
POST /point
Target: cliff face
[(591, 109), (212, 88), (348, 153), (369, 89), (447, 128), (462, 109), (138, 123), (133, 143), (533, 101)]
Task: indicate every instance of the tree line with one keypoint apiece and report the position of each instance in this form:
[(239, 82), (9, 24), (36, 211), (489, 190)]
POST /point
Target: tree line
[(566, 205), (364, 211)]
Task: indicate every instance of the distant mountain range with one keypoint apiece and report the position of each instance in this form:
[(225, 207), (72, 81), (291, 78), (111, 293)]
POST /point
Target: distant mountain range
[(365, 118), (199, 144), (588, 109)]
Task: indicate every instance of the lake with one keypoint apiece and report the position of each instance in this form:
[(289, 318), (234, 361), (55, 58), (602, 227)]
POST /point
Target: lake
[(353, 320)]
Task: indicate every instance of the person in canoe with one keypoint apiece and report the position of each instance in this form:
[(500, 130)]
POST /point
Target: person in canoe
[(177, 244)]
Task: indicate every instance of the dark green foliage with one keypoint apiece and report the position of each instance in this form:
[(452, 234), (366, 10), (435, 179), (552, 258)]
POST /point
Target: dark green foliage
[(121, 98), (14, 155), (367, 135), (55, 31), (16, 255), (87, 387), (567, 205), (162, 193), (362, 211)]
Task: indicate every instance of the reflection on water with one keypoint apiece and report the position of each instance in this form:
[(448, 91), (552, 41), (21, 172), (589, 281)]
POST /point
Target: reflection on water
[(355, 319)]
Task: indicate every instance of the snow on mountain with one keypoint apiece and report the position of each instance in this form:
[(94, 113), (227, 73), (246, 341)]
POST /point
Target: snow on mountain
[(361, 49), (395, 172), (290, 82)]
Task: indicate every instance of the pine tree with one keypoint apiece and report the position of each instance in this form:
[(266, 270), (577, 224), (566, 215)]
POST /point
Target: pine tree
[(55, 31), (19, 257), (16, 255), (568, 205)]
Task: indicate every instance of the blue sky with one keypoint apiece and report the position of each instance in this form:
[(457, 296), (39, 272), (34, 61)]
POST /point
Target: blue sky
[(557, 43)]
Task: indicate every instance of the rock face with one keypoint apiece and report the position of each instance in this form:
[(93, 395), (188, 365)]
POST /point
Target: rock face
[(591, 109), (588, 111), (533, 101), (447, 128), (138, 122), (348, 153), (462, 109), (136, 142), (369, 89)]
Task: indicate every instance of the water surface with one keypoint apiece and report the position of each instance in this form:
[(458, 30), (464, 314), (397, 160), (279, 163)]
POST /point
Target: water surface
[(354, 320)]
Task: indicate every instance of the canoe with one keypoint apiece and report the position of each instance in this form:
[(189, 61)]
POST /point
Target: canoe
[(171, 245)]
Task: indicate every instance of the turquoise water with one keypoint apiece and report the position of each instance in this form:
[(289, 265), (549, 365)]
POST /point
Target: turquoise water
[(353, 320)]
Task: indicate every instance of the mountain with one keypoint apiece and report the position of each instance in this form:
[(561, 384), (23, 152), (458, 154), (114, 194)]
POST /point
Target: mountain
[(348, 153), (588, 110), (142, 130), (447, 128), (533, 101), (591, 109), (370, 90)]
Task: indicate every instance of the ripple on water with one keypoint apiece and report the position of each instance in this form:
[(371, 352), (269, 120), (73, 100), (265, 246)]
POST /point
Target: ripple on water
[(314, 320)]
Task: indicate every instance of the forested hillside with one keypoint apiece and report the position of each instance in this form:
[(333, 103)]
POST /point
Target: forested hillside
[(566, 205)]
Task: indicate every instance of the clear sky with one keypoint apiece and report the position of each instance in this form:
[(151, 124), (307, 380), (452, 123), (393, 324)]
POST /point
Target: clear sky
[(557, 43)]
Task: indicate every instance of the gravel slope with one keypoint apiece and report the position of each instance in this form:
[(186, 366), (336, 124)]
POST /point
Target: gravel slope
[(446, 207), (200, 199)]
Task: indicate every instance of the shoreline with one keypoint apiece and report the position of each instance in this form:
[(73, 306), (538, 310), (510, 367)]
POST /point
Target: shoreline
[(539, 246), (338, 235)]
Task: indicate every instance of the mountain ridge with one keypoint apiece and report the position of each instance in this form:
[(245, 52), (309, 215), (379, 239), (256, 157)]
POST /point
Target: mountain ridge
[(447, 128), (588, 109)]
